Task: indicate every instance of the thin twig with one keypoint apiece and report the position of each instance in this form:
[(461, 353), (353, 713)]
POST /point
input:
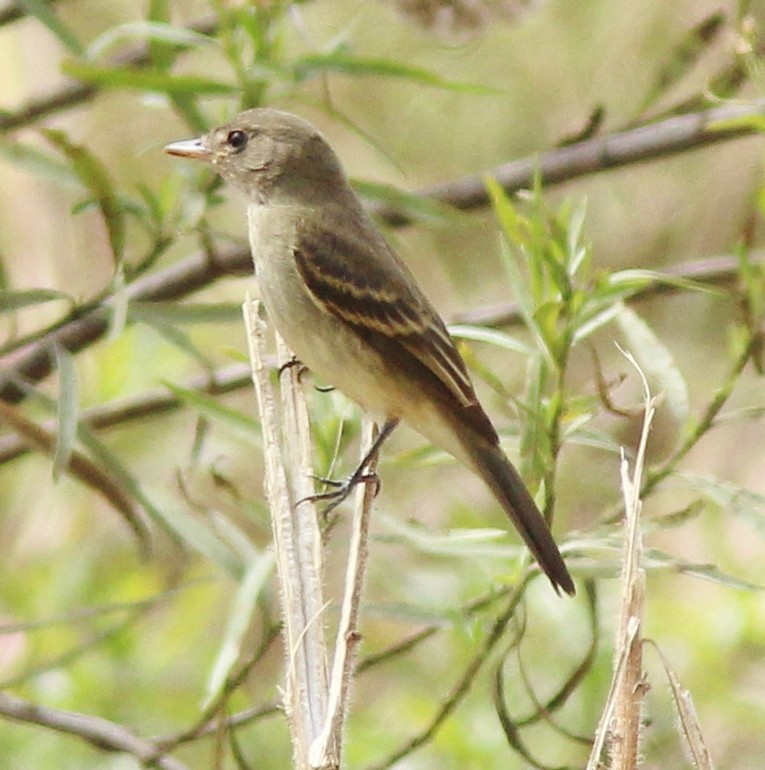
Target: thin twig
[(461, 686), (98, 732), (329, 742), (297, 543), (148, 404), (670, 136), (713, 271), (706, 420), (83, 468), (620, 723)]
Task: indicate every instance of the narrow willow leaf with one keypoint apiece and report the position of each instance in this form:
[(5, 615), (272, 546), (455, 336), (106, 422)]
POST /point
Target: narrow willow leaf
[(179, 339), (97, 180), (714, 574), (80, 466), (690, 728), (484, 542), (491, 336), (15, 300), (417, 207), (634, 280), (146, 80), (655, 361), (595, 322), (43, 12), (316, 64), (68, 412), (41, 164), (239, 619), (215, 411), (727, 495), (685, 55), (504, 211), (179, 522), (118, 304), (156, 32), (185, 312)]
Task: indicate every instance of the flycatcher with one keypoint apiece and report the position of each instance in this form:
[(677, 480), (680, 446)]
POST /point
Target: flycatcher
[(350, 310)]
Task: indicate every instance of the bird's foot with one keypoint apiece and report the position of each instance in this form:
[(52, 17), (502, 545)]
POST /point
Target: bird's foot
[(362, 475), (293, 362), (342, 489), (303, 369)]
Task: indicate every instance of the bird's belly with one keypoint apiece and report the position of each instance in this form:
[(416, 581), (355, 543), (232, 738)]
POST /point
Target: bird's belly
[(332, 351)]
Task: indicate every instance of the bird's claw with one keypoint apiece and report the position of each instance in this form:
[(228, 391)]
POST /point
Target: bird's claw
[(294, 361), (342, 489)]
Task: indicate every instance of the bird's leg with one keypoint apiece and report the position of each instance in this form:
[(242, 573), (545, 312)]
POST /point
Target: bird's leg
[(359, 476)]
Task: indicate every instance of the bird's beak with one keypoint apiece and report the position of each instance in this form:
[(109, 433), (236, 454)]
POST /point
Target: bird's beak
[(190, 148)]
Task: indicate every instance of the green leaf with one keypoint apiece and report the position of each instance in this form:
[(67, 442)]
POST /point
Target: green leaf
[(215, 411), (416, 207), (185, 312), (634, 280), (491, 336), (574, 236), (727, 495), (15, 300), (317, 64), (464, 542), (245, 600), (41, 164), (43, 12), (180, 339), (118, 303), (685, 55), (68, 411), (156, 32), (593, 320), (656, 362), (656, 559), (178, 522), (146, 80), (97, 180)]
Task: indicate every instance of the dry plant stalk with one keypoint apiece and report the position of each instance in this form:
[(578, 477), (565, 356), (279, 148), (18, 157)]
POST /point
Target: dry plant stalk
[(315, 702), (619, 726)]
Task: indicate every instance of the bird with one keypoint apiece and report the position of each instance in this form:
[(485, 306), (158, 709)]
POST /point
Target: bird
[(350, 309)]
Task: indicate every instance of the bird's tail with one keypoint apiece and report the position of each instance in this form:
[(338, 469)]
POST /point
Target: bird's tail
[(491, 464)]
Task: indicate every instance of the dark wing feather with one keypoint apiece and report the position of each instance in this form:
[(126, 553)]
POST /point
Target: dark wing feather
[(355, 275)]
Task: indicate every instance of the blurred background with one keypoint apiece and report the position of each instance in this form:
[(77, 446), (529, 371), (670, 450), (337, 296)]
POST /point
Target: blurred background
[(410, 95)]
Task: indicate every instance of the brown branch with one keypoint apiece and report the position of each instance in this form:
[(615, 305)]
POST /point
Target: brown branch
[(74, 94), (14, 11), (141, 406), (461, 686), (100, 733), (655, 140), (81, 467), (713, 271), (175, 282)]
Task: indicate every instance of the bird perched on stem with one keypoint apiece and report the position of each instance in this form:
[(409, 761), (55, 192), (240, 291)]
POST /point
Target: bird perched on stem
[(350, 309)]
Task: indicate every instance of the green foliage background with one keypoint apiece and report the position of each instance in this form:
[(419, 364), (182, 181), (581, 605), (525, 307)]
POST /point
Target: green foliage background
[(89, 204)]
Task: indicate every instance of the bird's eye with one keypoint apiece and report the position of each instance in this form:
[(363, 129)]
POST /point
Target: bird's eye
[(237, 140)]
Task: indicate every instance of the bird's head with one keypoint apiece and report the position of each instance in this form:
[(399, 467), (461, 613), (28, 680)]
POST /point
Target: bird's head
[(269, 156)]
